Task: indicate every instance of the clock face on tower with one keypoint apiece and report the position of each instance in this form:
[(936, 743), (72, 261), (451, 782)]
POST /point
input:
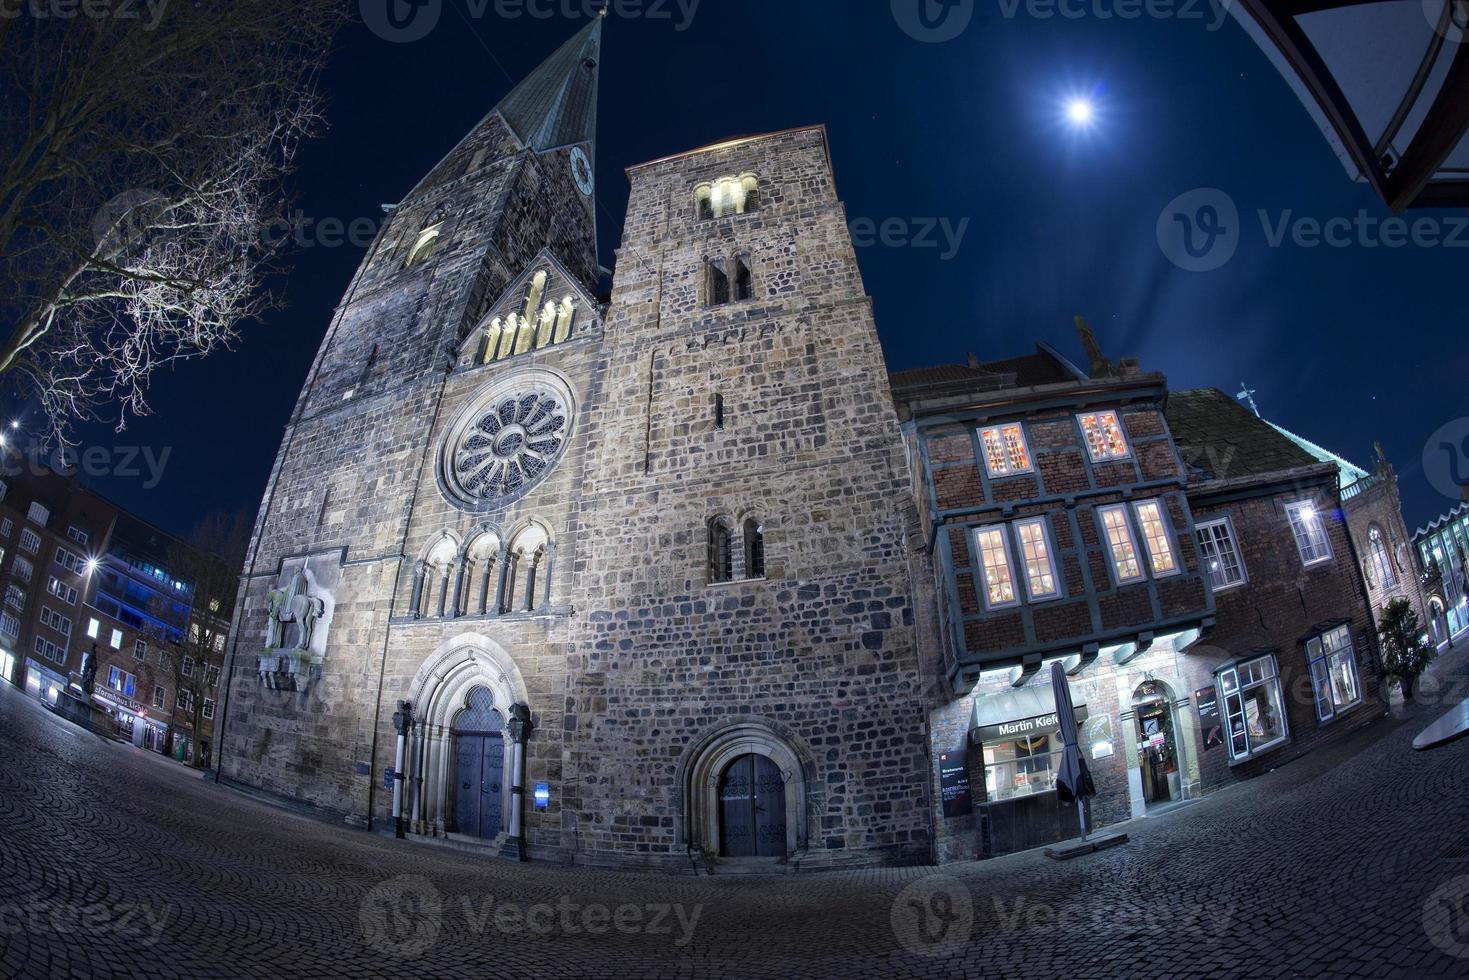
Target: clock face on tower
[(581, 171)]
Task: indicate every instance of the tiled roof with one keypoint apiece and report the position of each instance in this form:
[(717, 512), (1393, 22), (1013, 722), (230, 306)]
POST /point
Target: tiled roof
[(1026, 371), (1220, 439)]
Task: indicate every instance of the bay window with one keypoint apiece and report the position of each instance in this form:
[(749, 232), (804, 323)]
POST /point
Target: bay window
[(1156, 537), (994, 564), (1254, 709), (1120, 542), (1035, 555)]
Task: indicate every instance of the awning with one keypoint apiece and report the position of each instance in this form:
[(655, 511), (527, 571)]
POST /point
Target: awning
[(1009, 714)]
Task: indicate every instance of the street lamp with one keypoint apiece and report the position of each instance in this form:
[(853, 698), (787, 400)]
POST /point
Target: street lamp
[(403, 722)]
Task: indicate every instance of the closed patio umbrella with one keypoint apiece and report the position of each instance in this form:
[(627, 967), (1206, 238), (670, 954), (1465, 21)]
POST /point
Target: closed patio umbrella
[(1073, 781)]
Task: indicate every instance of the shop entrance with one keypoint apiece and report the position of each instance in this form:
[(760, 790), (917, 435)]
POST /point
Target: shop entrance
[(752, 809), (1157, 744)]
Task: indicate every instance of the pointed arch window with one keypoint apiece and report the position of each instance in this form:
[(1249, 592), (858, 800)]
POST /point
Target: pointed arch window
[(1381, 563), (424, 245)]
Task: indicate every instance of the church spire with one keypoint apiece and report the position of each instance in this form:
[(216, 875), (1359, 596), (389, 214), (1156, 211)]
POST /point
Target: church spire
[(556, 105)]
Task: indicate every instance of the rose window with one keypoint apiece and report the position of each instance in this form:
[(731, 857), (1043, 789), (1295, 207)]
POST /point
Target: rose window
[(509, 446)]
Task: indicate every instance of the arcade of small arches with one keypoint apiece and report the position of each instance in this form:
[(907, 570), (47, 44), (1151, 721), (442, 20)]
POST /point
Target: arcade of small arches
[(541, 322), (491, 574)]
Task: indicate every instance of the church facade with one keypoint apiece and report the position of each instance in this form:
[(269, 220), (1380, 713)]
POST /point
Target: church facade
[(643, 567)]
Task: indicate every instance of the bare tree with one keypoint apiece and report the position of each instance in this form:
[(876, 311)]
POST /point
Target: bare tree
[(141, 157), (208, 561)]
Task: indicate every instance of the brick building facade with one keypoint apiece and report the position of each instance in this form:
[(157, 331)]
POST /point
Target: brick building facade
[(1188, 565), (81, 575), (639, 564)]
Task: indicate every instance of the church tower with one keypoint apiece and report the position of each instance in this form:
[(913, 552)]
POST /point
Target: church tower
[(629, 583), (409, 503)]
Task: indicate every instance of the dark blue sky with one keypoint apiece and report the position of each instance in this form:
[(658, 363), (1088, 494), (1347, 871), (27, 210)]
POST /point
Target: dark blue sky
[(1344, 344)]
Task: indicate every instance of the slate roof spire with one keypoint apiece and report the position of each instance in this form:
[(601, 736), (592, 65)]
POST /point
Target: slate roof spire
[(556, 105)]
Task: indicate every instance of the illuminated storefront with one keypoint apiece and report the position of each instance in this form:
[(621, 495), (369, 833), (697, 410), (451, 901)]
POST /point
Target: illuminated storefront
[(43, 683), (7, 666)]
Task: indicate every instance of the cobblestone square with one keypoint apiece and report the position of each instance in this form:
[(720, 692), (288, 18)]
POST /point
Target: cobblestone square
[(1353, 861)]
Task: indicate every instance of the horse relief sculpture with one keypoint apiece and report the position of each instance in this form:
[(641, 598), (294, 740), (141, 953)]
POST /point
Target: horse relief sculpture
[(293, 605)]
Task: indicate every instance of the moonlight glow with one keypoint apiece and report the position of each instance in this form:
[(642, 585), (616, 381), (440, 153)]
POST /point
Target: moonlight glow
[(1079, 112)]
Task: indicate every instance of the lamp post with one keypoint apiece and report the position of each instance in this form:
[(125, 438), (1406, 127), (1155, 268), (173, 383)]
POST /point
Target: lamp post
[(403, 722)]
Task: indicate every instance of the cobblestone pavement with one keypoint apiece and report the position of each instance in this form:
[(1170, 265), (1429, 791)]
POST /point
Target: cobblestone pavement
[(1352, 861)]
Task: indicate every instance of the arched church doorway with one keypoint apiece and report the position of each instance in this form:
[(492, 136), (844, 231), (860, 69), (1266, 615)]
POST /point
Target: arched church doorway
[(1157, 743), (479, 766), (752, 808)]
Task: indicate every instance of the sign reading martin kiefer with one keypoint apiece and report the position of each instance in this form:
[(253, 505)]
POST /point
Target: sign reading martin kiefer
[(299, 613), (1022, 727)]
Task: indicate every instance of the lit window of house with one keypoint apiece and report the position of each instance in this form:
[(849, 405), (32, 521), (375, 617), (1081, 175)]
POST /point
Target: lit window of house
[(994, 561), (1120, 542), (93, 628), (1220, 554), (115, 641), (1005, 451), (1254, 712), (121, 681), (1035, 555), (1104, 438), (1333, 672), (1156, 537), (1305, 523)]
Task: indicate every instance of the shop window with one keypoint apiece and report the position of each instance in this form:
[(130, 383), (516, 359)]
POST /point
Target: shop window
[(1022, 766), (1156, 537), (1333, 672), (1220, 554), (1035, 556), (1005, 451), (995, 567), (1254, 709), (1309, 531), (1104, 438), (1120, 543)]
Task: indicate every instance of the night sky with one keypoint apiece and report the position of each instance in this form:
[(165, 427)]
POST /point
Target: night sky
[(1343, 344)]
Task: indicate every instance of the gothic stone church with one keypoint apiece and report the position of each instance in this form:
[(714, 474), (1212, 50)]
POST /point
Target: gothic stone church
[(640, 566)]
